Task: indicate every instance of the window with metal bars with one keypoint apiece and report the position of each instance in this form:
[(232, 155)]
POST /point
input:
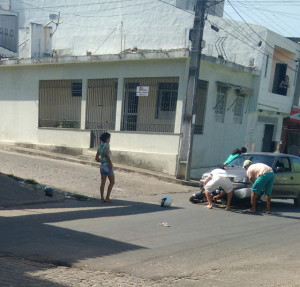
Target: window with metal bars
[(58, 108), (77, 89), (238, 110), (200, 107), (220, 107), (166, 100)]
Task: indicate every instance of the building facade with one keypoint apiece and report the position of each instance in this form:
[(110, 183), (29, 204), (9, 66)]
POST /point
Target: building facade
[(134, 84), (9, 27)]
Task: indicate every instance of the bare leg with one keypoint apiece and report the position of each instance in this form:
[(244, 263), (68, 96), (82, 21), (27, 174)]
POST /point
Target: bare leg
[(268, 197), (110, 187), (209, 199), (102, 187), (253, 201), (229, 197)]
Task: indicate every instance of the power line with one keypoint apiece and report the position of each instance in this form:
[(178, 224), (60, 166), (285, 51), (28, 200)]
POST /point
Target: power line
[(105, 40), (289, 44), (246, 43), (239, 29), (258, 16), (79, 5), (94, 11), (257, 33), (173, 5), (272, 11), (95, 16)]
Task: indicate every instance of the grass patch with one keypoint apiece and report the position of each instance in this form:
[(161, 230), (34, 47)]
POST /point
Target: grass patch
[(80, 197), (30, 181), (14, 177)]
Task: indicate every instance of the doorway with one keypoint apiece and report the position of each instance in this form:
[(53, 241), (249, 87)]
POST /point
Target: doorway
[(279, 75), (130, 111), (268, 144)]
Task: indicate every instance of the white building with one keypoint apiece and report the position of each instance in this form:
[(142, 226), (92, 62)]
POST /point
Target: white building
[(68, 100), (8, 34)]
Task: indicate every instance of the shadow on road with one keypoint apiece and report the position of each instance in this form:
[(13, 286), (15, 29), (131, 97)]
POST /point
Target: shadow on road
[(31, 233)]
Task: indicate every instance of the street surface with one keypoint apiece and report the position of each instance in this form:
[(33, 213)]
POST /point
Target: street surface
[(87, 243)]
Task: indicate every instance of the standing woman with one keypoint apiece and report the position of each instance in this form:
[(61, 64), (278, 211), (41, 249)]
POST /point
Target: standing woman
[(284, 85), (106, 168)]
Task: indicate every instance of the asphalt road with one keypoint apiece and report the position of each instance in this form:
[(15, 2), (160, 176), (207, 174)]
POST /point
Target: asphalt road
[(199, 248), (200, 245)]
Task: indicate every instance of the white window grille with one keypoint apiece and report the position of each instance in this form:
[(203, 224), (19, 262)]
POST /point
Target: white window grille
[(166, 101), (221, 104), (238, 110)]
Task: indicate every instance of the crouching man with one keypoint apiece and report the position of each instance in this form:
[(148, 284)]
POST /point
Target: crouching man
[(218, 178), (262, 178)]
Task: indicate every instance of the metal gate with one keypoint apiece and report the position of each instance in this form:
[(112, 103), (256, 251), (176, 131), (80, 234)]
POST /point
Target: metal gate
[(101, 107), (130, 107)]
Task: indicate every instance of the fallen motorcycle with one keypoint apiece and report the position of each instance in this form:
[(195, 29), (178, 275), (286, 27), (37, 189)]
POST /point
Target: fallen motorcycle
[(200, 197)]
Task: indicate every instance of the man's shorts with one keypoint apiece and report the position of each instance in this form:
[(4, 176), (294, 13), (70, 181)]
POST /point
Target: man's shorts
[(264, 183), (213, 184), (105, 170)]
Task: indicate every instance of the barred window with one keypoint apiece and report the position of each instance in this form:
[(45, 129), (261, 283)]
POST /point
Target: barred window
[(238, 110), (167, 100), (200, 107), (77, 89), (221, 104)]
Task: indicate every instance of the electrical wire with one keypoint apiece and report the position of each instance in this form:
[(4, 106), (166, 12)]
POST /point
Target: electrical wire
[(93, 16), (173, 5), (246, 43), (256, 32), (96, 16), (289, 43), (105, 40), (80, 5), (287, 14), (258, 16)]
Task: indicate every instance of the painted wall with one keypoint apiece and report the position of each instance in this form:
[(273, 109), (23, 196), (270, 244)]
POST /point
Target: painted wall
[(35, 41), (64, 138), (151, 151), (114, 26), (281, 50), (110, 26), (219, 139), (9, 31), (19, 108)]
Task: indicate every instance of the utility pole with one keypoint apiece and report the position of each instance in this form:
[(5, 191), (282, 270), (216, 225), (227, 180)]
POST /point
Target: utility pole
[(189, 116), (297, 89)]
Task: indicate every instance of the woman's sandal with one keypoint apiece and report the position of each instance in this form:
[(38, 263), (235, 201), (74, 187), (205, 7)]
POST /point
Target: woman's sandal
[(248, 211)]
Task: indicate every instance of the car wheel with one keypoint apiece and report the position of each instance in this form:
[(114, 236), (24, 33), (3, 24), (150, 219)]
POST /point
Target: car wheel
[(297, 201)]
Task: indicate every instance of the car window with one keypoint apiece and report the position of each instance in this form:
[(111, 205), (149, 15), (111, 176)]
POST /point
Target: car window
[(296, 164), (284, 164), (255, 158)]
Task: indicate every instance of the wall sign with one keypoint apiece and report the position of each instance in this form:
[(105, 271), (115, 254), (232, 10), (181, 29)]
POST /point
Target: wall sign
[(142, 91)]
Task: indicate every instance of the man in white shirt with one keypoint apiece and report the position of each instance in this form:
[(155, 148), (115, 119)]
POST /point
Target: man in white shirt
[(218, 178)]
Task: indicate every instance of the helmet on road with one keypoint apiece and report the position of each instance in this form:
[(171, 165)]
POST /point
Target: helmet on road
[(166, 201)]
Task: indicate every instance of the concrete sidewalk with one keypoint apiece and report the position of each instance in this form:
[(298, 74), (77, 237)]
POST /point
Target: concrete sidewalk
[(88, 159)]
